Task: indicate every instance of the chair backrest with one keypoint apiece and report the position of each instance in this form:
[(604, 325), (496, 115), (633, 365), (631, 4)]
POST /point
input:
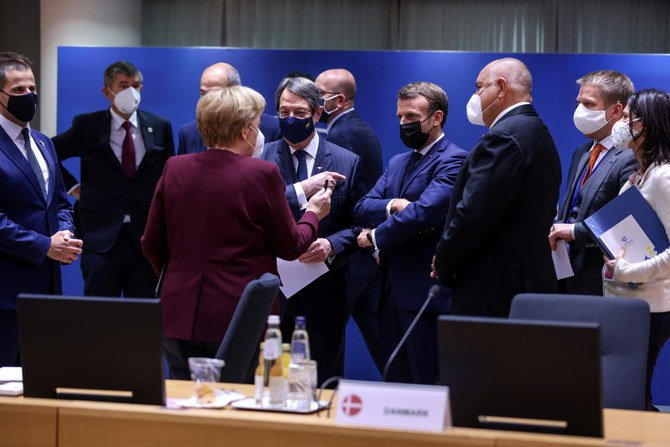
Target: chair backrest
[(239, 346), (624, 338)]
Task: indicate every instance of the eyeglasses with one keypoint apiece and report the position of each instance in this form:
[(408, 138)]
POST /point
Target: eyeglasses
[(300, 113)]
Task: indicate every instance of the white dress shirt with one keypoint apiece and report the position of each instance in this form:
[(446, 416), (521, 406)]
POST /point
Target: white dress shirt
[(311, 151)]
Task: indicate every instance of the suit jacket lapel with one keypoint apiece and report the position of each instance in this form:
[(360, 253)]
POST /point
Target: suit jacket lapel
[(104, 130), (284, 160), (147, 137), (323, 157), (51, 165), (597, 178), (423, 163), (14, 154), (573, 187)]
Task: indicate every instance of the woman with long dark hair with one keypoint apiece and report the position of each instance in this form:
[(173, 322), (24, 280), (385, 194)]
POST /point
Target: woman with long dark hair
[(645, 128)]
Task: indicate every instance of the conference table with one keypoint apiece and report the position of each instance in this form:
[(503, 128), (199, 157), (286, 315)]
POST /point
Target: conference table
[(30, 422)]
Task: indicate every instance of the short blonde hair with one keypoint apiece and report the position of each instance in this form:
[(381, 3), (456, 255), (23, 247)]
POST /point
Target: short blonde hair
[(223, 113)]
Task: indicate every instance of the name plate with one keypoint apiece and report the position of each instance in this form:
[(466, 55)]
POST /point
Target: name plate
[(393, 405)]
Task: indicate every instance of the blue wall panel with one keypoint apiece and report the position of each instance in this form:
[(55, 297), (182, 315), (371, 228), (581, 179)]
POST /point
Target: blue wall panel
[(171, 89)]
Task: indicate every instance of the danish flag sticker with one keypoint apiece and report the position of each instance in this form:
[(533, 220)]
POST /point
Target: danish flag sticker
[(352, 404)]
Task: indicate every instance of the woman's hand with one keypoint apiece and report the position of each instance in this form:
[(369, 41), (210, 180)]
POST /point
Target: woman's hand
[(319, 203), (610, 264)]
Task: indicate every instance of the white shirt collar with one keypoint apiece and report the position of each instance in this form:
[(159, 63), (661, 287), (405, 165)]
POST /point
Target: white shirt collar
[(504, 112), (117, 120), (425, 150), (12, 129), (607, 142), (330, 124), (311, 148)]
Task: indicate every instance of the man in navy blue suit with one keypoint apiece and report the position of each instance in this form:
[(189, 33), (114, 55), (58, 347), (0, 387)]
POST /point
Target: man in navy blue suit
[(36, 229), (307, 163), (403, 215), (347, 129), (123, 151), (220, 75)]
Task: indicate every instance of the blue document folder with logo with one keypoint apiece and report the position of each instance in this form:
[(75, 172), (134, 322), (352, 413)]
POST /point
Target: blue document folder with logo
[(629, 222)]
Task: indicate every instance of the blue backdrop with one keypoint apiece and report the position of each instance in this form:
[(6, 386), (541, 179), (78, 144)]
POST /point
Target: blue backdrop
[(171, 89)]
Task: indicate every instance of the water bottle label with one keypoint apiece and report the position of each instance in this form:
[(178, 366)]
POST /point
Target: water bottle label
[(272, 349)]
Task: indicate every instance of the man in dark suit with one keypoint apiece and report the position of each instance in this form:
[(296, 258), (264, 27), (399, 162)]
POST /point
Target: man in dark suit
[(123, 151), (494, 243), (348, 130), (220, 75), (306, 162), (597, 172), (36, 229), (406, 210)]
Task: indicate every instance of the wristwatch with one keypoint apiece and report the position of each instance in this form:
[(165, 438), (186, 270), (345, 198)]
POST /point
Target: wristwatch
[(369, 236)]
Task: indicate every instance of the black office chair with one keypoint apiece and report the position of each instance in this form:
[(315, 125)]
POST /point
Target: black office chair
[(624, 338), (239, 346)]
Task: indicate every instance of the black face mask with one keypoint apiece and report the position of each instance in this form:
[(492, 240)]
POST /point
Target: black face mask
[(412, 136), (22, 107)]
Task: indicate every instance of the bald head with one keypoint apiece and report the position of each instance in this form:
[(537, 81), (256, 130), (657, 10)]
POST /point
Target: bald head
[(516, 74), (337, 80), (219, 75), (502, 84)]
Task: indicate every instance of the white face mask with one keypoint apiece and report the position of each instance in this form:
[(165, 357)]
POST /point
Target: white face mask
[(589, 121), (127, 100), (474, 108), (260, 142), (621, 134)]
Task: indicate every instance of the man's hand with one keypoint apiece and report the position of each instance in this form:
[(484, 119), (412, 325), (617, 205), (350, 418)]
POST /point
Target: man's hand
[(560, 231), (317, 252), (314, 183), (362, 238), (64, 248), (76, 192), (397, 205), (433, 273)]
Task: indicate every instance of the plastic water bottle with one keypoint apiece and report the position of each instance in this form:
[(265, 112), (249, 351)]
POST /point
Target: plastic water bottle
[(300, 341), (259, 377), (299, 374), (273, 370)]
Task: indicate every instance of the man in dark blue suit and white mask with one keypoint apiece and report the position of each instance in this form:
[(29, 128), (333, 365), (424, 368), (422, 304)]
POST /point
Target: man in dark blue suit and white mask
[(220, 75), (347, 129), (403, 215), (307, 162)]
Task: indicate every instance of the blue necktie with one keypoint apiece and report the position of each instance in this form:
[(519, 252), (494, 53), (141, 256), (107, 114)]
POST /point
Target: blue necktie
[(30, 155), (301, 172)]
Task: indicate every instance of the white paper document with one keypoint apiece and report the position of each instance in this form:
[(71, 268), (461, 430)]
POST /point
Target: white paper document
[(629, 235), (296, 275), (11, 374), (561, 259)]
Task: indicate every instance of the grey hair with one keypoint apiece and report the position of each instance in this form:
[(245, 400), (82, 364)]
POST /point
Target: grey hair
[(302, 87), (122, 67), (233, 77), (614, 86)]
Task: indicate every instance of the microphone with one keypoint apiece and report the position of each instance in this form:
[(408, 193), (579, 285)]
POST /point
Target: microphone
[(432, 293)]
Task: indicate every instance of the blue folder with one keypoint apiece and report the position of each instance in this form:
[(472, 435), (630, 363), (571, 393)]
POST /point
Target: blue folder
[(628, 203)]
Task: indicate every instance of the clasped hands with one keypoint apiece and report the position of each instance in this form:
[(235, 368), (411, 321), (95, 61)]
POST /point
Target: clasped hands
[(64, 247)]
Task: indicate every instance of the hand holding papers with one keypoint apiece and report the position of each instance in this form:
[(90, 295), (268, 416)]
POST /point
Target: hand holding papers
[(629, 222), (561, 260), (296, 275)]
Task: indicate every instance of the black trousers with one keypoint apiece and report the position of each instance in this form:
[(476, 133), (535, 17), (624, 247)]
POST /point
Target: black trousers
[(177, 353), (122, 271), (9, 339)]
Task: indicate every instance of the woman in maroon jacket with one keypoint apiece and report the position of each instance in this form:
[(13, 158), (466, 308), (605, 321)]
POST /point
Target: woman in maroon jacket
[(218, 220)]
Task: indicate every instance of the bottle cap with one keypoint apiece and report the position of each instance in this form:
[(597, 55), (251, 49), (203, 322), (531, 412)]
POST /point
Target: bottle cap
[(285, 347), (273, 319)]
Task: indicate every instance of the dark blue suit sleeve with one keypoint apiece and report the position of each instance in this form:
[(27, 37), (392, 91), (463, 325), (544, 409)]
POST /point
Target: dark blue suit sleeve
[(425, 214)]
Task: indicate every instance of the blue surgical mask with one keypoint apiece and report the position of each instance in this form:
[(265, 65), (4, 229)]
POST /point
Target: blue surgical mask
[(295, 129)]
